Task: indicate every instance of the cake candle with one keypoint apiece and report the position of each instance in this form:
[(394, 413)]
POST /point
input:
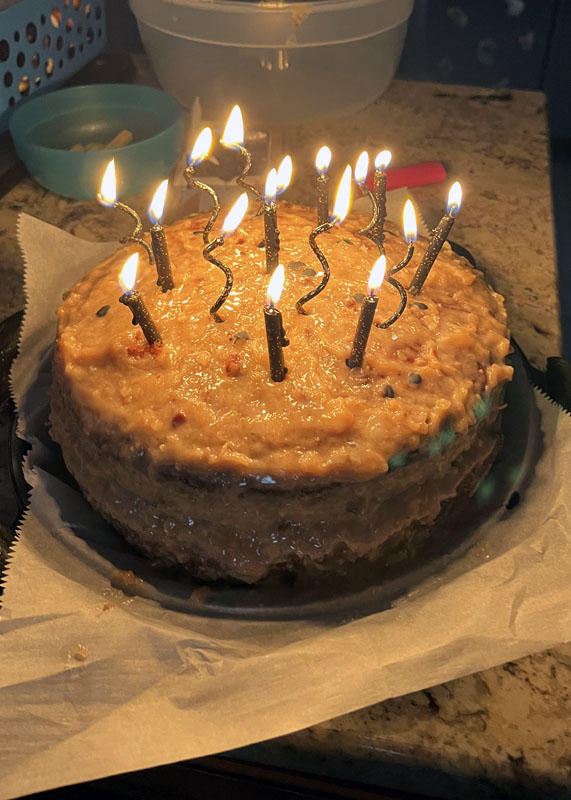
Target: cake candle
[(275, 334), (276, 183), (322, 162), (232, 221), (382, 161), (107, 196), (410, 235), (200, 152), (340, 211), (361, 169), (367, 314), (133, 300), (159, 239), (439, 236), (233, 138), (271, 232)]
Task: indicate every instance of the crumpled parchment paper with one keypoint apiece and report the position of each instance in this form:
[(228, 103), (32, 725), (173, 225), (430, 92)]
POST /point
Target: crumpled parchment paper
[(94, 681)]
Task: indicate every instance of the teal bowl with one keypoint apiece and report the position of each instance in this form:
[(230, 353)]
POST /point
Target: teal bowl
[(46, 128)]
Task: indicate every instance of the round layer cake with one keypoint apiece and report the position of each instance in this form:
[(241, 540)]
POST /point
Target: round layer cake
[(199, 459)]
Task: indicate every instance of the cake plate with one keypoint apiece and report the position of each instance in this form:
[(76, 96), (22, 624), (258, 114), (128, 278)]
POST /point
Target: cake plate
[(458, 543)]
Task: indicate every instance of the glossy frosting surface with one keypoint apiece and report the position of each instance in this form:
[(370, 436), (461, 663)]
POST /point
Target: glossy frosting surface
[(205, 400)]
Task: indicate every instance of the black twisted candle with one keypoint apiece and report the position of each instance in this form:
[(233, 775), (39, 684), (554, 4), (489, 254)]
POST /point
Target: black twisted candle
[(207, 254), (133, 300), (141, 316), (439, 236), (322, 260), (382, 161), (340, 211), (367, 314), (233, 219), (233, 138), (107, 196), (410, 235), (159, 239), (363, 330), (275, 333), (200, 152), (322, 161), (162, 259), (272, 236), (361, 169)]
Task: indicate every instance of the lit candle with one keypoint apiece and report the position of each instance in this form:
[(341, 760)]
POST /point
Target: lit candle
[(271, 232), (275, 333), (410, 235), (382, 161), (322, 162), (276, 183), (233, 138), (361, 170), (200, 153), (367, 313), (340, 211), (107, 196), (159, 239), (133, 300), (234, 218), (439, 236)]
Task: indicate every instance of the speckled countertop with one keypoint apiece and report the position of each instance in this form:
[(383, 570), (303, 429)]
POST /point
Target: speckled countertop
[(505, 732)]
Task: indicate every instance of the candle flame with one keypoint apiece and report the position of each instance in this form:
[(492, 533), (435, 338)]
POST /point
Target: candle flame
[(235, 215), (343, 198), (128, 276), (383, 159), (157, 207), (409, 223), (361, 168), (454, 199), (377, 276), (275, 286), (323, 160), (108, 192), (271, 189), (201, 149), (234, 131), (285, 171)]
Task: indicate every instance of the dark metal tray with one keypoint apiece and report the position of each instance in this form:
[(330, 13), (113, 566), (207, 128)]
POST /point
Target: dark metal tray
[(358, 589)]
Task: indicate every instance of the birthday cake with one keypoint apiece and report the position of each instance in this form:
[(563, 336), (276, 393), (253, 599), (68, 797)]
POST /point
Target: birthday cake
[(200, 460)]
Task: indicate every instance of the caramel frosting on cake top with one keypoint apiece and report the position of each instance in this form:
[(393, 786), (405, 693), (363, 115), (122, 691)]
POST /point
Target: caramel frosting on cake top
[(205, 400)]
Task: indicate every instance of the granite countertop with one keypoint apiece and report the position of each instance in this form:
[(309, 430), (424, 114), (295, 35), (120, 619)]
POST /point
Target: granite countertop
[(505, 732)]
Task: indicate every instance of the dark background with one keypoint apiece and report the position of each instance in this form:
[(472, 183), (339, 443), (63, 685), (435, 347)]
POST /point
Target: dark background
[(518, 44)]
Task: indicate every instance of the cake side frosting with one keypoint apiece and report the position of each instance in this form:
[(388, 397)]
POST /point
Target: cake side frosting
[(205, 401)]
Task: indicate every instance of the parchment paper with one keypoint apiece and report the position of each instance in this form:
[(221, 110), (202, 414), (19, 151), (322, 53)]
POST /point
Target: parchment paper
[(94, 682)]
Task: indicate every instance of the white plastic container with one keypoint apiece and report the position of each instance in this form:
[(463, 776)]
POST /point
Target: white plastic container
[(284, 62)]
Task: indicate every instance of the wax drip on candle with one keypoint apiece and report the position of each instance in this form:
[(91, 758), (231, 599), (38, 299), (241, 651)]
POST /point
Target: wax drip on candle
[(233, 138), (439, 236), (275, 333), (322, 162), (340, 211), (382, 161), (159, 239), (200, 153), (368, 308), (232, 221), (133, 300), (361, 170), (107, 196)]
